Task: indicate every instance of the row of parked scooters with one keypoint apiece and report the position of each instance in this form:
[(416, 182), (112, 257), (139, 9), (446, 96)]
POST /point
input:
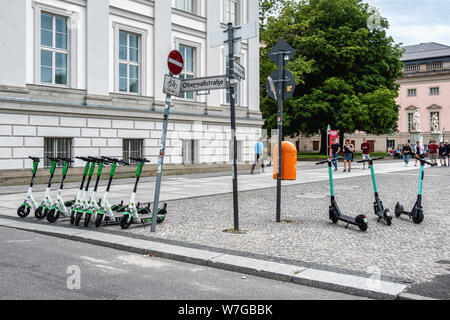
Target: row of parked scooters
[(85, 207), (361, 221)]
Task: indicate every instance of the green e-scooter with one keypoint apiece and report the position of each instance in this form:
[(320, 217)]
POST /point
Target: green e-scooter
[(105, 212), (47, 203), (92, 206), (379, 210), (334, 212), (82, 202), (416, 214), (60, 206), (132, 212), (29, 202)]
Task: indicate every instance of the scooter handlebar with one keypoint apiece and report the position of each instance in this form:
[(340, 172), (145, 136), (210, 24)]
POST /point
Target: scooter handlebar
[(370, 159), (140, 159), (327, 160), (425, 161), (116, 160), (84, 159), (53, 158), (65, 159), (35, 159)]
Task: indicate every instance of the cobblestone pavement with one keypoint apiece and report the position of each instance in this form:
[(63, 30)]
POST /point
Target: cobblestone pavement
[(404, 250)]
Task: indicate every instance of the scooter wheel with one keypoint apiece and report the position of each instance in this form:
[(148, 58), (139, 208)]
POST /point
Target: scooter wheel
[(333, 216), (388, 216), (418, 218), (399, 209), (23, 211), (40, 213), (72, 217), (361, 223), (98, 220), (87, 219), (389, 221), (51, 215), (78, 218), (125, 222)]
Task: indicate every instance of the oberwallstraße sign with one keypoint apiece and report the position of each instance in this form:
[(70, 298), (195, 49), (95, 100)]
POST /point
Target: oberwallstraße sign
[(239, 70), (204, 84)]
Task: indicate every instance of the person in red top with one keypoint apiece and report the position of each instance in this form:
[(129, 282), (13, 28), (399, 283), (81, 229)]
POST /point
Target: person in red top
[(433, 150), (365, 148)]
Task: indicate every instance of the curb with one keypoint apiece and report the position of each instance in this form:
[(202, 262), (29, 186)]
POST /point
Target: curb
[(339, 282), (415, 297)]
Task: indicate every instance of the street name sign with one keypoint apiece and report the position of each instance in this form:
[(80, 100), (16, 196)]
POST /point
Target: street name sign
[(204, 83), (239, 70)]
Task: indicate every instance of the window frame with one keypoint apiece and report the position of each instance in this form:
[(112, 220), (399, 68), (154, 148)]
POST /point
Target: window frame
[(409, 120), (129, 63), (194, 6), (227, 12), (127, 143), (55, 151), (411, 95), (197, 65), (72, 22), (434, 94), (142, 53), (195, 151)]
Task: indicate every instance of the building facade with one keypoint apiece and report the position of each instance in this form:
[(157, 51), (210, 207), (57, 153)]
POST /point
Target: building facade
[(85, 78), (425, 86)]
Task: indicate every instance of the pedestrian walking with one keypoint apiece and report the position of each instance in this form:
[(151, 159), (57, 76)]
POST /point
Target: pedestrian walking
[(419, 151), (335, 149), (443, 155), (259, 148), (407, 153), (433, 150), (348, 155), (365, 148)]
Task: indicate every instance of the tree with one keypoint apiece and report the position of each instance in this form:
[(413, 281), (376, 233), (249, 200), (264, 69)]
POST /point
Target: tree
[(346, 73)]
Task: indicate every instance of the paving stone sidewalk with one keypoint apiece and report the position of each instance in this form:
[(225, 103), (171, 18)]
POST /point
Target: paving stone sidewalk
[(405, 251)]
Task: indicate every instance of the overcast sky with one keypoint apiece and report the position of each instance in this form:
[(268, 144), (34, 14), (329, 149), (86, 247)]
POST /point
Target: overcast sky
[(416, 21)]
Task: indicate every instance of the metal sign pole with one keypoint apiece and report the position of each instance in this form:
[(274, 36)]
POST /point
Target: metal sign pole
[(280, 131), (230, 71), (161, 159)]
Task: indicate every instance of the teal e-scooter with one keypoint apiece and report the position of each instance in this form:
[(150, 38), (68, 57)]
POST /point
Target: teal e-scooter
[(416, 214), (334, 212), (378, 208)]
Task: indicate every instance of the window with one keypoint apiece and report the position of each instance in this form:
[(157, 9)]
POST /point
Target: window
[(186, 5), (231, 11), (190, 151), (188, 54), (54, 50), (391, 144), (412, 92), (132, 148), (239, 151), (237, 87), (410, 121), (57, 147), (434, 91), (129, 62)]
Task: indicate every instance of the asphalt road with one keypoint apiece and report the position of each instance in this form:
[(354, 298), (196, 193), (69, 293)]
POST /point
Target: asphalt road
[(35, 266)]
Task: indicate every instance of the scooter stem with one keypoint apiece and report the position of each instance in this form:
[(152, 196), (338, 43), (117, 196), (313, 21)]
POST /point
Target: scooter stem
[(374, 182), (330, 176)]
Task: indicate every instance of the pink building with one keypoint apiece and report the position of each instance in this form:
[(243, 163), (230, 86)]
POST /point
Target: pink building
[(425, 86)]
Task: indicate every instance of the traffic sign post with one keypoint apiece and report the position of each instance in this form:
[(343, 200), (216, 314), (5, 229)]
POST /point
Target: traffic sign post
[(280, 86), (171, 85)]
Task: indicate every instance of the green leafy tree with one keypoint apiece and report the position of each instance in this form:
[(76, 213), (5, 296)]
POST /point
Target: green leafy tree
[(345, 72)]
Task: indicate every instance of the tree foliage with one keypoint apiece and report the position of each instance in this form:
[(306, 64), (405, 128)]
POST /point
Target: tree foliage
[(345, 73)]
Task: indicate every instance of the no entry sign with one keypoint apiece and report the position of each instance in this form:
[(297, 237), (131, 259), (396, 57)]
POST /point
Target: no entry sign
[(175, 62)]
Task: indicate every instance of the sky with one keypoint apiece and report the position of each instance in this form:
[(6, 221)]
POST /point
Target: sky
[(416, 21)]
